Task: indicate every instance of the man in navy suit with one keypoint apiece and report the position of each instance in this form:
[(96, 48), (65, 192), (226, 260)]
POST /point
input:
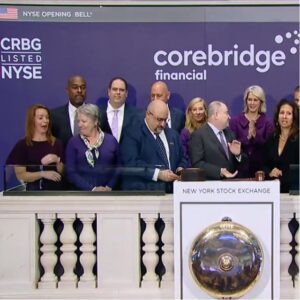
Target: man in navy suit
[(152, 152), (116, 115), (63, 117), (176, 118), (213, 147)]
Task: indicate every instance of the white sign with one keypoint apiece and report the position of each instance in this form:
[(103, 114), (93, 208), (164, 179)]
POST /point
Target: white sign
[(255, 205)]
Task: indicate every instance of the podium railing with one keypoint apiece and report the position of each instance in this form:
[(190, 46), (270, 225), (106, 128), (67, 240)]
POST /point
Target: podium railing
[(117, 245)]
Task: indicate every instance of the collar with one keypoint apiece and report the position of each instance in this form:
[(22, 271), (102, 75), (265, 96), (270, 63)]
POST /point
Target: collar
[(111, 109)]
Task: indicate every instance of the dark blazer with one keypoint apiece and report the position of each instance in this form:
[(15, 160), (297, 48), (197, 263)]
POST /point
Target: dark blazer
[(141, 155), (206, 152), (61, 127), (130, 115), (289, 155), (177, 119)]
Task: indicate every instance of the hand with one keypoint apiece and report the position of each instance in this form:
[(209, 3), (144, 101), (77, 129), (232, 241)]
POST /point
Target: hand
[(235, 147), (225, 173), (50, 159), (102, 189), (275, 173), (167, 176), (51, 175), (252, 130)]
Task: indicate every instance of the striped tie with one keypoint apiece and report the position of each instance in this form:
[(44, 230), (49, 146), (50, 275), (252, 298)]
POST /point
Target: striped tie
[(224, 144), (162, 150)]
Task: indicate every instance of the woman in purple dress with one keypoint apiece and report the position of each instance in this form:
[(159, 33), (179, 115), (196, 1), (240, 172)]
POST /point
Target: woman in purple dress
[(252, 128), (37, 158), (196, 116), (92, 156)]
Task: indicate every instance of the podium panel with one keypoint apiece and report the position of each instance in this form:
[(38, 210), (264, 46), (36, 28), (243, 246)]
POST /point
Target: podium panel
[(255, 205)]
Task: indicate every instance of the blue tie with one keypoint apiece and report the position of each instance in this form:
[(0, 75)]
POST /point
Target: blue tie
[(162, 150)]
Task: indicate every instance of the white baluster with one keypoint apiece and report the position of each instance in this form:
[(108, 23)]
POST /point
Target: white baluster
[(48, 258), (88, 257), (150, 258), (168, 248), (68, 258), (285, 248)]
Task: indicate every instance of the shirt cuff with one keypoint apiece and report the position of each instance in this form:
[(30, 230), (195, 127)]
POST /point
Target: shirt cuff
[(155, 175)]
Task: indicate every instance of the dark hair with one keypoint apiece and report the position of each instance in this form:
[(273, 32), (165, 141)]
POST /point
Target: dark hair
[(296, 89), (294, 132), (118, 78)]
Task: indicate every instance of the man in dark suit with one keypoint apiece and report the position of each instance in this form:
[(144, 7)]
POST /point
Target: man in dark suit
[(176, 118), (116, 115), (151, 152), (213, 147), (63, 117)]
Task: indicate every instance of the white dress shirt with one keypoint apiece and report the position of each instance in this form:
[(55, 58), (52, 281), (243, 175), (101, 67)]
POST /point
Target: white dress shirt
[(72, 114), (110, 114)]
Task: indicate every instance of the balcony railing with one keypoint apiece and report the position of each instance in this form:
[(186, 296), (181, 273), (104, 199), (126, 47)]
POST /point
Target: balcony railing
[(96, 246)]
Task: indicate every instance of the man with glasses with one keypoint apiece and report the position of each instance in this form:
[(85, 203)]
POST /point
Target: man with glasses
[(152, 152)]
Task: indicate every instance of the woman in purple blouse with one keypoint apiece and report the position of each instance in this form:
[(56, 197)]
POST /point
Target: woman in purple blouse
[(92, 156), (252, 128), (196, 116)]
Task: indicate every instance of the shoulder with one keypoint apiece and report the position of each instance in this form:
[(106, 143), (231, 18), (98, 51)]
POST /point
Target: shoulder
[(176, 111), (58, 111)]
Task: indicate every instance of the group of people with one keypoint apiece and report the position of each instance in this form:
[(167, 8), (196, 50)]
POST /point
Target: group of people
[(116, 146)]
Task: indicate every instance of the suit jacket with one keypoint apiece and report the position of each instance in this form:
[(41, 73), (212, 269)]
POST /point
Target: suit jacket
[(130, 114), (61, 127), (177, 119), (289, 155), (206, 152), (141, 155)]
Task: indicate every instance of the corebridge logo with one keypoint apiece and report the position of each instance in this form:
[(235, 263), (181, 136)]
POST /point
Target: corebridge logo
[(198, 61), (20, 58)]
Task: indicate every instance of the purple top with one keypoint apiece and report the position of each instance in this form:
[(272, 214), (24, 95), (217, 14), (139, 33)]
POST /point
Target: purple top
[(30, 156), (85, 177), (185, 138), (253, 147)]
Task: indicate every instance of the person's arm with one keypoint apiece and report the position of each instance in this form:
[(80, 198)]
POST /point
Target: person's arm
[(26, 176)]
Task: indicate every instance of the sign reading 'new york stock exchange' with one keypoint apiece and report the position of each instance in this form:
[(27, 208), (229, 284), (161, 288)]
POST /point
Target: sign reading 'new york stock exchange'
[(196, 53)]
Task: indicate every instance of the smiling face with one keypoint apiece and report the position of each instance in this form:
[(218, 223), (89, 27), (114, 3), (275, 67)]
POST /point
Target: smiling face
[(285, 116), (253, 103), (41, 121), (198, 112), (87, 126), (117, 93)]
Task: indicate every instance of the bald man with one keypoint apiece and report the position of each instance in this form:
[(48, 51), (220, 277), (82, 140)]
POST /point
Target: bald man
[(176, 118), (152, 152)]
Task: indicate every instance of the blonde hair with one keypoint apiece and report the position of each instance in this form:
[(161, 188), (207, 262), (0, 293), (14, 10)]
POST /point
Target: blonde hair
[(190, 124), (259, 93)]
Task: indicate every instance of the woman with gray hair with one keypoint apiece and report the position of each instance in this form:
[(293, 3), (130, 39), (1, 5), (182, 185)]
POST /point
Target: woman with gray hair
[(252, 128), (92, 156)]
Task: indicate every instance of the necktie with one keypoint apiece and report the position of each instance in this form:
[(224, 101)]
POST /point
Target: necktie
[(114, 124), (162, 150), (76, 128), (224, 145)]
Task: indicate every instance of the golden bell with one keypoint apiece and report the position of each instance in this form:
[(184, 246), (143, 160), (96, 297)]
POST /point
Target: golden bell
[(226, 260)]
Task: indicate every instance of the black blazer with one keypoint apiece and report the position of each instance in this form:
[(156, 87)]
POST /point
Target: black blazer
[(130, 115), (177, 119), (61, 127)]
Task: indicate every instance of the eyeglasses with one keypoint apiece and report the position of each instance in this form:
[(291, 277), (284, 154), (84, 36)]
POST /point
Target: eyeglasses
[(160, 120)]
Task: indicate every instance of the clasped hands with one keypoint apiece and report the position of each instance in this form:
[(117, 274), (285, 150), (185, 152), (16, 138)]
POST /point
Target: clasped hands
[(51, 159), (168, 175)]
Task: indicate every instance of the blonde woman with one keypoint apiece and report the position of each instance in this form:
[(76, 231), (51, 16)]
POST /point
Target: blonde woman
[(252, 128), (196, 117)]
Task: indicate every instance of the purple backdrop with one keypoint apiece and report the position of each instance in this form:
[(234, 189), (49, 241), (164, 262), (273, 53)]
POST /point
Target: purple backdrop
[(225, 58)]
